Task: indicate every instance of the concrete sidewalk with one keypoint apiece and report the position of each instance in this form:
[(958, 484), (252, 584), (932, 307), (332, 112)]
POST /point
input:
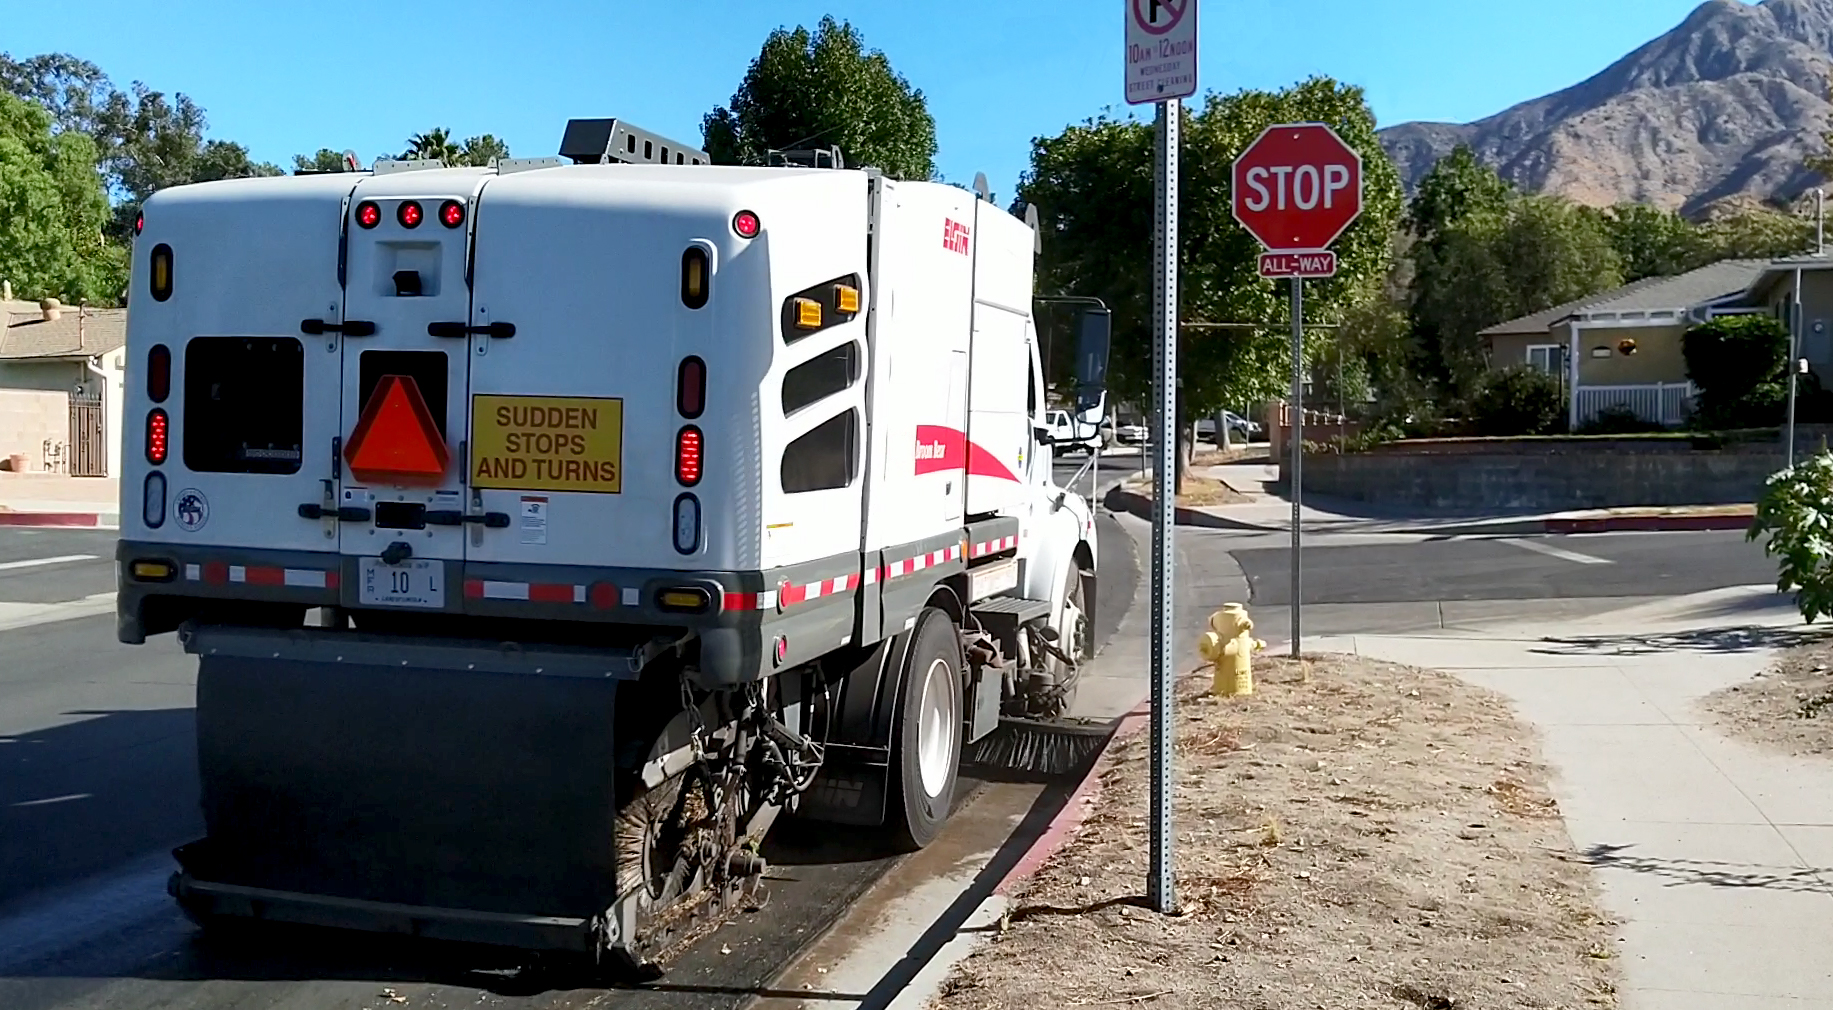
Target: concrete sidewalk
[(1269, 511), (1717, 856), (50, 499)]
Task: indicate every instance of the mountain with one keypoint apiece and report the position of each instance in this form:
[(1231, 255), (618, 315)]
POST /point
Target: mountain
[(1727, 104)]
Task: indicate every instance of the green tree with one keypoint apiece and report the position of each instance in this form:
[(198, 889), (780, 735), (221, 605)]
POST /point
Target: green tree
[(1481, 262), (1458, 187), (1759, 233), (322, 160), (1740, 364), (824, 88), (1455, 278), (1092, 185), (1651, 242), (52, 210)]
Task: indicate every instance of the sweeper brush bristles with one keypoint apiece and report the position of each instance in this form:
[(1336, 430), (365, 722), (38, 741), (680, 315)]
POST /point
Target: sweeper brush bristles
[(1040, 748)]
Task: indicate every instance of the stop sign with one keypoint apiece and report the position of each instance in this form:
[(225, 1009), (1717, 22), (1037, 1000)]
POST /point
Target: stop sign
[(1297, 187)]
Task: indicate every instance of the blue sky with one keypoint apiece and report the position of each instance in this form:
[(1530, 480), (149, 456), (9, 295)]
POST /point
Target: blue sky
[(285, 78)]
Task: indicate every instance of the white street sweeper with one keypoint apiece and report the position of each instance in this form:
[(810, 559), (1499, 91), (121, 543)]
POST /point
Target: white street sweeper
[(545, 530)]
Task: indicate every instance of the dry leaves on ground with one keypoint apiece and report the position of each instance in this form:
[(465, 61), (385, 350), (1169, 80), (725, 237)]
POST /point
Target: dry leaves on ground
[(1198, 492), (1788, 707), (1356, 835)]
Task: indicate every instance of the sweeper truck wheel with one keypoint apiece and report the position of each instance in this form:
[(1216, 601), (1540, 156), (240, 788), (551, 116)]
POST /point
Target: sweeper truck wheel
[(928, 741)]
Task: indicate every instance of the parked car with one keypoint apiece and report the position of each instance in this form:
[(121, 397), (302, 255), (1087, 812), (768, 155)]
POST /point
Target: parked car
[(1240, 429), (1131, 433), (1068, 436)]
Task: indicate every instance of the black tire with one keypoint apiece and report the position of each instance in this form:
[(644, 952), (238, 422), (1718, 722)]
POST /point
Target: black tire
[(1078, 590), (922, 796)]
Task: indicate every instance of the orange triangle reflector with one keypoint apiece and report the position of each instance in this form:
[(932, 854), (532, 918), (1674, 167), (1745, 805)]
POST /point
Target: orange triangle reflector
[(396, 441)]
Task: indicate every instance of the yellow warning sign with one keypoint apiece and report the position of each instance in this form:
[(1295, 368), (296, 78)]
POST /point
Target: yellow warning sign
[(547, 443)]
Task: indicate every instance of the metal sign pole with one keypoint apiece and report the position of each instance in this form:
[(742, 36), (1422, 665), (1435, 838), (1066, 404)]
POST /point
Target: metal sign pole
[(1297, 436), (1161, 888)]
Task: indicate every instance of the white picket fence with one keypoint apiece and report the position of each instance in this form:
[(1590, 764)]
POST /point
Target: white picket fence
[(1662, 402)]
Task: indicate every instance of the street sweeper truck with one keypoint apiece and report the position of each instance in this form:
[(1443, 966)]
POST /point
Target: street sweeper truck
[(545, 531)]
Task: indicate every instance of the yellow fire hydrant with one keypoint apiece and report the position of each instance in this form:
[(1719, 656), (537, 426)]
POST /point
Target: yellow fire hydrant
[(1230, 638)]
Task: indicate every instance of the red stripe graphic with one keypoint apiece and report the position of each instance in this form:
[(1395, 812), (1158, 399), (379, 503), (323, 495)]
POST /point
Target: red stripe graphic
[(940, 449)]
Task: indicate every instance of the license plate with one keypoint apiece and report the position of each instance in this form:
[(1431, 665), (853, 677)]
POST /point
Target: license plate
[(417, 582)]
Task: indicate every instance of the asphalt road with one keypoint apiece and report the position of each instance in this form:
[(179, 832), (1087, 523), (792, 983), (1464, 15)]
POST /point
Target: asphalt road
[(1525, 568), (98, 782)]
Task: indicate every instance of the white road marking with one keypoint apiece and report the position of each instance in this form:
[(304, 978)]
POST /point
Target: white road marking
[(1557, 552), (63, 559), (68, 797), (14, 616)]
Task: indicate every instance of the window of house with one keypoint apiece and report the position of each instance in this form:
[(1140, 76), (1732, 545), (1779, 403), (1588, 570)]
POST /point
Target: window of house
[(825, 458), (1544, 358)]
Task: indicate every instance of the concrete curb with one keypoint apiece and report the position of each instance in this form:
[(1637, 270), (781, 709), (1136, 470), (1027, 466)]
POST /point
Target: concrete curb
[(1057, 833), (68, 519), (1119, 499)]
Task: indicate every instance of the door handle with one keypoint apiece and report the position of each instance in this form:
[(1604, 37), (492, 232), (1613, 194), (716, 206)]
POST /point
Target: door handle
[(349, 327), (347, 514), (453, 517), (458, 331)]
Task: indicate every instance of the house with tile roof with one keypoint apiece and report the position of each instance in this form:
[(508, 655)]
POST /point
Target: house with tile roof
[(1622, 348), (79, 352)]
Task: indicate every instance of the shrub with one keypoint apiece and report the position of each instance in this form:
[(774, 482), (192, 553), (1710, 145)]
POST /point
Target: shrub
[(1796, 512), (1740, 364), (1518, 401), (1618, 420)]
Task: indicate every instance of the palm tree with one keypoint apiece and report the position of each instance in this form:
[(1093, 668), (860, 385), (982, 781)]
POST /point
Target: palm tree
[(435, 144)]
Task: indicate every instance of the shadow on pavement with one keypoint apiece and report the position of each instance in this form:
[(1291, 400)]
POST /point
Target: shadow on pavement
[(80, 799), (1711, 872), (1750, 638)]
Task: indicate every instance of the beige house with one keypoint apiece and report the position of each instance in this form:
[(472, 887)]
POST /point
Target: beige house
[(76, 352), (1774, 293), (1622, 348)]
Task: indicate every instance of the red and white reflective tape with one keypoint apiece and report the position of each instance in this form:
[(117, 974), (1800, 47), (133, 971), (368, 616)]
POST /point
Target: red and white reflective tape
[(910, 566), (524, 592), (216, 573), (750, 601), (994, 547)]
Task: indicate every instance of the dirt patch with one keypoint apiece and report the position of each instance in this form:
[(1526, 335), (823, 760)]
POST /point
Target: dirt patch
[(1356, 835), (1788, 707), (1198, 492), (1240, 454)]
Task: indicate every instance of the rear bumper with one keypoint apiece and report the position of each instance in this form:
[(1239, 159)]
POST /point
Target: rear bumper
[(209, 899)]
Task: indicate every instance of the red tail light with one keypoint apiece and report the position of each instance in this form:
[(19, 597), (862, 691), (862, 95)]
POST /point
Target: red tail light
[(409, 214), (688, 456), (451, 213), (746, 224), (368, 214), (156, 437), (690, 388), (158, 373)]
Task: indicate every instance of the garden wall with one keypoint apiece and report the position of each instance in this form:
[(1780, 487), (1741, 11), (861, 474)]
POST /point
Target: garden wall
[(1483, 475)]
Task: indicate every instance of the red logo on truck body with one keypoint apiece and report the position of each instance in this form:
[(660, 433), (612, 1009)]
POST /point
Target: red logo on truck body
[(955, 236)]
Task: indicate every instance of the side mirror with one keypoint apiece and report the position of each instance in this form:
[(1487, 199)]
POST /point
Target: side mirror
[(1094, 335)]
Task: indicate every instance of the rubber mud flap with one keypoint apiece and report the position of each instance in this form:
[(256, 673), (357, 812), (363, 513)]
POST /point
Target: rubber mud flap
[(456, 789)]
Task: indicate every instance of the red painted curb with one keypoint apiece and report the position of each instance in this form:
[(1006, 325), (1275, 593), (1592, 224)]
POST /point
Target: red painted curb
[(1648, 524), (50, 519), (1075, 810)]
